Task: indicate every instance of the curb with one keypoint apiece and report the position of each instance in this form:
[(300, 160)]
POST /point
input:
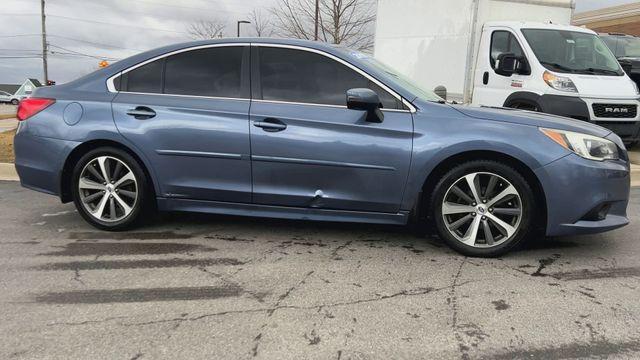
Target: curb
[(8, 172)]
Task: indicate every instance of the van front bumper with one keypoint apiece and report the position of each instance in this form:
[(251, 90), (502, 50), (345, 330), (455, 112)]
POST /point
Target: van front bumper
[(621, 123), (585, 196)]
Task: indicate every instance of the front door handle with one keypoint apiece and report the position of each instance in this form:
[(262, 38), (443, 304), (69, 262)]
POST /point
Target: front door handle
[(270, 125), (142, 113)]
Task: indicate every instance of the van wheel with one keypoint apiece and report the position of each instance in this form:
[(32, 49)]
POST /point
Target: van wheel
[(15, 101), (483, 208), (524, 106), (110, 189)]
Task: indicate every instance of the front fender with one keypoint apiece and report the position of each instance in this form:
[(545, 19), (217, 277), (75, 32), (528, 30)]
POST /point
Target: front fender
[(438, 139)]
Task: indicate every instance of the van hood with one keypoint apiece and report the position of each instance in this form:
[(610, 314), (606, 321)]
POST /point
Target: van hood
[(532, 119), (594, 86)]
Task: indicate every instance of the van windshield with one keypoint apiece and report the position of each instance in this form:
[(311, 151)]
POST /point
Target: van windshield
[(572, 52)]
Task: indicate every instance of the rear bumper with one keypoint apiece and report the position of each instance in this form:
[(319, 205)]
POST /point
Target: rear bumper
[(582, 109), (39, 161), (576, 187)]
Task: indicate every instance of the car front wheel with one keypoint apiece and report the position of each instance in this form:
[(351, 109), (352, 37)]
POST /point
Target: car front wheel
[(483, 208), (110, 189)]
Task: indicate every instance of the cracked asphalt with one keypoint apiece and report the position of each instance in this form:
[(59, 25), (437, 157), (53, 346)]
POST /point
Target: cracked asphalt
[(205, 287)]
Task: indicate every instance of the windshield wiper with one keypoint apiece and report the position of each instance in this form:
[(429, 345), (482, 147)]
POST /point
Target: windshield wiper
[(558, 66), (599, 71)]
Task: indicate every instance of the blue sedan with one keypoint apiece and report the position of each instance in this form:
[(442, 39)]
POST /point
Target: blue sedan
[(305, 130)]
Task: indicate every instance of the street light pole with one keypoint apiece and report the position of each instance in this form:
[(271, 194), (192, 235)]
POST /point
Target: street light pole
[(242, 22), (44, 44), (317, 19)]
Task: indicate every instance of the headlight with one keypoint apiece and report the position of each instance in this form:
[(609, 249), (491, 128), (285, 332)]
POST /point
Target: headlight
[(559, 82), (635, 86), (588, 146)]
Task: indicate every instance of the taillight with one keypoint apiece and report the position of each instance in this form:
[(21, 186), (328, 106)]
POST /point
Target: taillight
[(31, 106)]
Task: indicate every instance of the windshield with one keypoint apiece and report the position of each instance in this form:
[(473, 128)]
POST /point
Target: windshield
[(624, 46), (572, 52), (402, 80)]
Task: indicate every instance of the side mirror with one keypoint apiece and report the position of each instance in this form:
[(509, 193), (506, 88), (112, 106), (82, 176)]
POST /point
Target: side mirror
[(508, 64), (441, 91), (365, 100)]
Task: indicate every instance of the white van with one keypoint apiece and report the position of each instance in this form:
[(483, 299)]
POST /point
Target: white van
[(539, 66)]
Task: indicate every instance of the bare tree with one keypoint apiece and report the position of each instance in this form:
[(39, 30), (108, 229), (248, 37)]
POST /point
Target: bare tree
[(206, 29), (261, 24), (347, 22)]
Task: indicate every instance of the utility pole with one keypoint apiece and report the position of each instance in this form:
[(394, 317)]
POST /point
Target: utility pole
[(44, 45), (317, 19)]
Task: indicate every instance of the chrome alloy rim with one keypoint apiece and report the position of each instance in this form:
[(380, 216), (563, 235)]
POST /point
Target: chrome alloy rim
[(482, 210), (108, 189)]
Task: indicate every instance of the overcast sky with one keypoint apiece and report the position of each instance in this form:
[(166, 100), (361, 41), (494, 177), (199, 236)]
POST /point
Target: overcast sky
[(116, 29)]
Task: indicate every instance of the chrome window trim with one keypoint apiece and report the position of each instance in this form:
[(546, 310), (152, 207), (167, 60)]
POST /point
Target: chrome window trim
[(187, 96), (321, 105), (384, 87), (111, 86)]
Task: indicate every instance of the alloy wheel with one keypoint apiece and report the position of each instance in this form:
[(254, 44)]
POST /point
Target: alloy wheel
[(108, 189), (482, 210)]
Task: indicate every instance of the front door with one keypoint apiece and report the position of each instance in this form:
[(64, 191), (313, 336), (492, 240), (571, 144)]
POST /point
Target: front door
[(188, 113), (309, 150), (491, 88)]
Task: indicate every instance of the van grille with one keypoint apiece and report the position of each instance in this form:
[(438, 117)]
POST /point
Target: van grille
[(615, 111)]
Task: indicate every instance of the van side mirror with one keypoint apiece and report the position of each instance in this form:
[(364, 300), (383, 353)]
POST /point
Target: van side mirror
[(365, 100), (626, 65), (508, 64)]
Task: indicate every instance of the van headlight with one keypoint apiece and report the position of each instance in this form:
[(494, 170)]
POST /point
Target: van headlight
[(635, 86), (559, 82), (588, 146)]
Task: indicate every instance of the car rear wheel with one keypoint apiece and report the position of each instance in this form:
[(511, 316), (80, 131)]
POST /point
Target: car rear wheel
[(110, 189), (483, 208)]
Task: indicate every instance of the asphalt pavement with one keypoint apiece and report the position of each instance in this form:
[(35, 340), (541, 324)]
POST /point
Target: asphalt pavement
[(217, 287)]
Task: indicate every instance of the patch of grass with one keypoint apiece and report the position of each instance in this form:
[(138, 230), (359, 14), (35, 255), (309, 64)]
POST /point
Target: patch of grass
[(6, 146)]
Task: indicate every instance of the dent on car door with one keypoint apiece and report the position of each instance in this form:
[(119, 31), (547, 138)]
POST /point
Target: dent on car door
[(188, 114), (309, 150)]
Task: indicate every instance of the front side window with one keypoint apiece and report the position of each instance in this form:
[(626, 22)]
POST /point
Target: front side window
[(572, 52), (503, 42), (306, 77), (628, 46)]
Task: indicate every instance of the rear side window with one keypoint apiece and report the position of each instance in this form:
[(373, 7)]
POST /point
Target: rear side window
[(503, 42), (145, 79), (214, 72), (205, 72), (305, 77)]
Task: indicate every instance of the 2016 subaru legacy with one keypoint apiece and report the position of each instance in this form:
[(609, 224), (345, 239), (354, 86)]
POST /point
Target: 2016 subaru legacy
[(304, 130)]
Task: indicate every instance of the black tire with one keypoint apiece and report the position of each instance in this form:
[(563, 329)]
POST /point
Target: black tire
[(143, 205), (524, 106), (527, 206), (15, 101)]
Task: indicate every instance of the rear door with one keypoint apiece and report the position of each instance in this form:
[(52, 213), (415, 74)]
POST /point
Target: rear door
[(309, 150), (188, 113)]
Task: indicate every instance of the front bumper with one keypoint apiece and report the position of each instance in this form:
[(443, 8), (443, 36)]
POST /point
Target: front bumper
[(574, 187), (583, 109), (39, 161)]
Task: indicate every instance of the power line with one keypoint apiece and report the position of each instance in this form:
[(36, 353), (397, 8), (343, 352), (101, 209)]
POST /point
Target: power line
[(78, 52), (93, 43), (117, 25)]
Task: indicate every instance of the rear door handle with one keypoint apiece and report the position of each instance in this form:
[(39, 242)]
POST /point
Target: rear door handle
[(141, 113), (270, 125)]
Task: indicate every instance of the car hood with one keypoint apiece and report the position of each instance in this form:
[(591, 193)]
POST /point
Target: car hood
[(531, 118)]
